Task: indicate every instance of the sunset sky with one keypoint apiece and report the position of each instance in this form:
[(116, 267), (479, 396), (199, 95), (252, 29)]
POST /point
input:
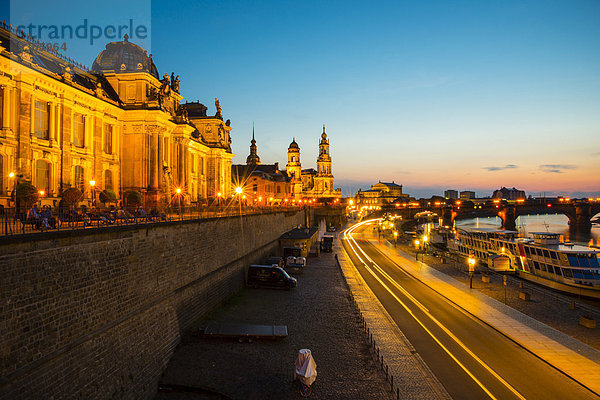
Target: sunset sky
[(433, 95)]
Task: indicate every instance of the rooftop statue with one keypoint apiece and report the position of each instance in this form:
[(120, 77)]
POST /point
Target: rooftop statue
[(219, 109)]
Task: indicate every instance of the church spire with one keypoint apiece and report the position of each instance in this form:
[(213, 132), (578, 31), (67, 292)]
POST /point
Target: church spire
[(253, 158)]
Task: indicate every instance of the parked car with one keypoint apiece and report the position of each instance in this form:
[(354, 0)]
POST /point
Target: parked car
[(270, 276)]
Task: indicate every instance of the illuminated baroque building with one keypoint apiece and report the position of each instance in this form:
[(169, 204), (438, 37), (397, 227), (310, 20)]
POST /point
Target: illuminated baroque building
[(119, 124), (381, 194), (309, 183), (266, 183)]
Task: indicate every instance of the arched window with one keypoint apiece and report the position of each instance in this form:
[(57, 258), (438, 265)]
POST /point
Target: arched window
[(255, 187), (108, 179), (79, 180), (42, 175)]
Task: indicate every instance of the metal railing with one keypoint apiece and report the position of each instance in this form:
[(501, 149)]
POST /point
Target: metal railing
[(22, 221)]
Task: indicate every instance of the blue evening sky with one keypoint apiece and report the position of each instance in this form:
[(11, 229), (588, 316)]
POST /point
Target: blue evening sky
[(432, 94)]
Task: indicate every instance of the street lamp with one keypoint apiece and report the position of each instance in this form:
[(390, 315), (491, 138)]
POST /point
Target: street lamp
[(395, 238), (471, 262), (93, 186), (417, 243), (178, 191), (12, 176), (239, 192)]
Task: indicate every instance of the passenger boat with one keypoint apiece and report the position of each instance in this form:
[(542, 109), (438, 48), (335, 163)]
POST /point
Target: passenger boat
[(541, 259)]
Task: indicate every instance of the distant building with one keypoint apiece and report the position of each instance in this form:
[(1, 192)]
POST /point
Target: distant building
[(451, 194), (509, 194), (380, 194), (311, 183), (467, 195)]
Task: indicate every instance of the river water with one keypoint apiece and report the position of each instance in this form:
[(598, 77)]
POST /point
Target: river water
[(555, 223)]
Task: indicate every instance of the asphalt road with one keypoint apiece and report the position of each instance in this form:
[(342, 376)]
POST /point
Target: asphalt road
[(471, 360)]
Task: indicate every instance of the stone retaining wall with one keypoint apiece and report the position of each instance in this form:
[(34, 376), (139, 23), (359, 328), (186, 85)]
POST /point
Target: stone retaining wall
[(97, 313)]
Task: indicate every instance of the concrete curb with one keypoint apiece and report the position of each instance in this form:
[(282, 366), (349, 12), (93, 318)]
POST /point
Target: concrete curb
[(407, 373)]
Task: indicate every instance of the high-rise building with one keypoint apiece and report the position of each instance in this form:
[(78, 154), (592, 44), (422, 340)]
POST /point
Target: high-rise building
[(451, 194)]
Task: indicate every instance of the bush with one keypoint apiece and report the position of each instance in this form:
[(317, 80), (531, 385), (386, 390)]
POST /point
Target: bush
[(71, 197), (108, 196), (134, 198)]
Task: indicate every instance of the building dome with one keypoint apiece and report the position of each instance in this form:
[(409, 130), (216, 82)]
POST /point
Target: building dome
[(323, 135), (294, 145), (124, 57)]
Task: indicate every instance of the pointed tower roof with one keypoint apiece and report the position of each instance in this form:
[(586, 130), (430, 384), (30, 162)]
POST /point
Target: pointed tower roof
[(323, 136), (253, 157), (294, 145)]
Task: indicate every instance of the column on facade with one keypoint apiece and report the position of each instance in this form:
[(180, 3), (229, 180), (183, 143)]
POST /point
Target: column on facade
[(51, 122), (160, 156), (181, 165), (154, 161), (6, 108)]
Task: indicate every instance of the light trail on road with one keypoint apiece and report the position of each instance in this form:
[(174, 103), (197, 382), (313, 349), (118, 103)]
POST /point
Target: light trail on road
[(488, 380)]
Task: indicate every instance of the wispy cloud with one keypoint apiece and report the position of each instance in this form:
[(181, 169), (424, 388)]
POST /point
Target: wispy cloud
[(596, 154), (500, 168), (557, 168)]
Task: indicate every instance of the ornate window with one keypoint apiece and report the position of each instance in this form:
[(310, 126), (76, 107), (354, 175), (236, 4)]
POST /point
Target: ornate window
[(108, 138), (108, 179), (42, 175), (41, 120), (79, 178), (79, 130)]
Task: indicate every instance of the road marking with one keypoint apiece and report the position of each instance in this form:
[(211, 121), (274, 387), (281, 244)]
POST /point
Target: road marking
[(349, 238)]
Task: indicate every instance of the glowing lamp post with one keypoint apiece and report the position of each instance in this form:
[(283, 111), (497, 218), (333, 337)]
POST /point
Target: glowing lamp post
[(395, 238), (471, 262), (239, 191), (417, 244), (178, 191), (12, 176), (93, 187)]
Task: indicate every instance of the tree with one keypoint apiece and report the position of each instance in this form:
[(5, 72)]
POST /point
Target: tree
[(134, 198), (71, 197), (26, 194), (107, 196)]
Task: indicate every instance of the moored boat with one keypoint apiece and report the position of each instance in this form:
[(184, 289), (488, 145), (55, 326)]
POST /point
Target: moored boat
[(542, 258)]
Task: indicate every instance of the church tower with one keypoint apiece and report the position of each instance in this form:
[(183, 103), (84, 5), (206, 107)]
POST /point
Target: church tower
[(294, 169), (253, 158), (324, 178)]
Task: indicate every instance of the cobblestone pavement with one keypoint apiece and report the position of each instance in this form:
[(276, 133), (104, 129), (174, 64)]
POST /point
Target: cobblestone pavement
[(543, 306), (318, 315)]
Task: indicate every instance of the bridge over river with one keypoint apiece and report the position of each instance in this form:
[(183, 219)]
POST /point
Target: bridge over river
[(579, 212)]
